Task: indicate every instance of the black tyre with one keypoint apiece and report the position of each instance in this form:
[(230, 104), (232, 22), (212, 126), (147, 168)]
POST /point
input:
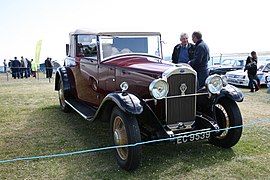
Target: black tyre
[(63, 105), (125, 130), (227, 115)]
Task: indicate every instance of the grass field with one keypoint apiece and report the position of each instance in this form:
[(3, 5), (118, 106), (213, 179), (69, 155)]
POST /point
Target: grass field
[(31, 124)]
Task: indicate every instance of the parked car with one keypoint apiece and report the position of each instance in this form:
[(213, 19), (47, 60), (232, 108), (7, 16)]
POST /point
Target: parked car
[(226, 66), (120, 78), (239, 77), (42, 66), (267, 80)]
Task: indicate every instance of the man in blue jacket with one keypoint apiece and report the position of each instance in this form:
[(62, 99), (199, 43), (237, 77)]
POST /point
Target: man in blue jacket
[(201, 57), (183, 52)]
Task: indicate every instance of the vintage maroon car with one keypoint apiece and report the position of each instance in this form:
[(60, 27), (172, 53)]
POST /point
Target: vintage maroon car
[(119, 77)]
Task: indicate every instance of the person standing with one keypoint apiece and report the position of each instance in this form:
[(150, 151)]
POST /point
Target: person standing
[(10, 66), (28, 70), (251, 68), (23, 67), (201, 57), (49, 66), (33, 68), (16, 68), (183, 52), (5, 66)]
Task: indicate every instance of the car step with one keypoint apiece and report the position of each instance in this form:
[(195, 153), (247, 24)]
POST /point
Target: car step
[(84, 110)]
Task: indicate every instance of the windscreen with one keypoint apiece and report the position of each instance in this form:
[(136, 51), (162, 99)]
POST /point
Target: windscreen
[(114, 45)]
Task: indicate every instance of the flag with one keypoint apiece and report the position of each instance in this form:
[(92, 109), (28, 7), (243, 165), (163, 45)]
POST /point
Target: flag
[(38, 48)]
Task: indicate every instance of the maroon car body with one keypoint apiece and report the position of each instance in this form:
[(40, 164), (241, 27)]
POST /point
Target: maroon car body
[(120, 77)]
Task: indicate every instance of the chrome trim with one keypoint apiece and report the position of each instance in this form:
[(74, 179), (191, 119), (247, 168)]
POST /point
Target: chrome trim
[(180, 68), (179, 96), (152, 85), (85, 117), (186, 125)]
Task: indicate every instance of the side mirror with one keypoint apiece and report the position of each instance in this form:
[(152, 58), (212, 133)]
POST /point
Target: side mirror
[(163, 42), (67, 49)]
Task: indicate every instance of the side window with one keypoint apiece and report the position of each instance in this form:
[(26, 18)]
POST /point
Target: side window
[(86, 46), (267, 68), (72, 52)]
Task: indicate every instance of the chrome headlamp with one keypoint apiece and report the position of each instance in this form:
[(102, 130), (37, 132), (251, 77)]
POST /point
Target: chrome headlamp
[(159, 88), (214, 84)]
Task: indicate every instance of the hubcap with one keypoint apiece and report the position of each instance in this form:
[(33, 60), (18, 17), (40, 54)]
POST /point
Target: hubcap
[(120, 137), (61, 95)]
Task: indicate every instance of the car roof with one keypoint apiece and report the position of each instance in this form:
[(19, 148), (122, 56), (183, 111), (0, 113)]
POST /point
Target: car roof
[(260, 63), (95, 32)]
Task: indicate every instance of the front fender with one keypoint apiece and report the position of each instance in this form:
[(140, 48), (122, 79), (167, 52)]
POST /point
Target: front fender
[(231, 92), (62, 74), (65, 74), (127, 102)]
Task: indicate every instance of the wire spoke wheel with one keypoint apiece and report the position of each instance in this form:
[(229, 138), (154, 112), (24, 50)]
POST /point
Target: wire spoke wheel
[(225, 121), (61, 94), (227, 115), (125, 130), (120, 137)]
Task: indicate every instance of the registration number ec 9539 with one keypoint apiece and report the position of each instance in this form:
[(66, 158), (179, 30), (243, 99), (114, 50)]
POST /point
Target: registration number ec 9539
[(193, 137)]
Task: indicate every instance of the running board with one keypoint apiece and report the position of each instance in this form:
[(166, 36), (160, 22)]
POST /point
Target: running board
[(84, 110)]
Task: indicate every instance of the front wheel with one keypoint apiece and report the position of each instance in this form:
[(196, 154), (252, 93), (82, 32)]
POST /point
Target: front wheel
[(125, 130), (227, 115), (63, 105)]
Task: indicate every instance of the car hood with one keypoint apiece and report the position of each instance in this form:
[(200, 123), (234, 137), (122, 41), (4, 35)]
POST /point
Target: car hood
[(223, 66), (237, 72), (140, 62)]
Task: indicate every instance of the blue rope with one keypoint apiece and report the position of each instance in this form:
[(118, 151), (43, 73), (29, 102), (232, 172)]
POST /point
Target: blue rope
[(128, 145)]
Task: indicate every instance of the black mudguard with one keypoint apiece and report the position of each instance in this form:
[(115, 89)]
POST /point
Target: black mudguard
[(232, 93), (127, 102), (62, 73)]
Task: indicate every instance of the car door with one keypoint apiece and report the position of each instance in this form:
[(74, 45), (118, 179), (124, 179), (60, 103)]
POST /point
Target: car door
[(87, 76)]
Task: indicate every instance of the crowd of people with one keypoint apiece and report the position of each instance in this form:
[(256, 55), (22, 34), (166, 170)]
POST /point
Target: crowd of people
[(25, 68)]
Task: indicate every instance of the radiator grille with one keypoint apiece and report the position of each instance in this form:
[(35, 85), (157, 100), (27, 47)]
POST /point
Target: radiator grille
[(181, 109)]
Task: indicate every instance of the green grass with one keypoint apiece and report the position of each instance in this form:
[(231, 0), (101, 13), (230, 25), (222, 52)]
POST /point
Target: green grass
[(31, 124)]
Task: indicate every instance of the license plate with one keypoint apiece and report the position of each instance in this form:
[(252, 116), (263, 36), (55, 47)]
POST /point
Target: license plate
[(193, 137)]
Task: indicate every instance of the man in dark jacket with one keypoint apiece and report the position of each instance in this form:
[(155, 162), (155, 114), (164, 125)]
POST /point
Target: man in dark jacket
[(201, 57), (251, 67), (49, 67), (183, 52), (16, 68)]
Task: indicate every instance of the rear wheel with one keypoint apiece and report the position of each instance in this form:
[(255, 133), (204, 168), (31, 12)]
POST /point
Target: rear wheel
[(63, 105), (125, 130), (227, 115)]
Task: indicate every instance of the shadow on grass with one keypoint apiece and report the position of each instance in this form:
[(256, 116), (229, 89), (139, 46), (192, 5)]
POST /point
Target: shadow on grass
[(68, 132)]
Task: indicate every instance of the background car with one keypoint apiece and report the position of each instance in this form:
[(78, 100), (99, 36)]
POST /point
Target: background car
[(267, 79), (239, 77), (226, 66), (42, 66)]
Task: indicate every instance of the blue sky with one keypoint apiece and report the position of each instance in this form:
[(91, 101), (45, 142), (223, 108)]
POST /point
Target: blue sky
[(227, 26)]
